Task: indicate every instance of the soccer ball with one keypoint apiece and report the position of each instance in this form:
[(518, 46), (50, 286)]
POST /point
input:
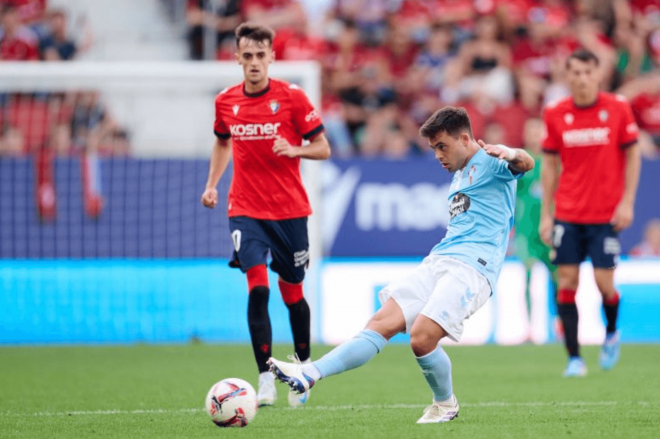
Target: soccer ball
[(231, 403)]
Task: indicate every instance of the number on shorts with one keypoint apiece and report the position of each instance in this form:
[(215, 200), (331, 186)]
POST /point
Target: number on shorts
[(557, 235), (236, 239)]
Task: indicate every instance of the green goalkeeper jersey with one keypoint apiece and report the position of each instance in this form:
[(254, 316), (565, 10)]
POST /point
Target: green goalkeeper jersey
[(528, 244)]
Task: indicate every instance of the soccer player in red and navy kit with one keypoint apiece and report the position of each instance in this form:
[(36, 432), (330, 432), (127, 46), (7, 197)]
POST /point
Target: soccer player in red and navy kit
[(593, 136), (267, 121)]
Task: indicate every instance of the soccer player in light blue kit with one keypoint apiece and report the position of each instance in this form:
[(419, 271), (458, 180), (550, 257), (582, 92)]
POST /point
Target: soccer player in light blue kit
[(453, 281)]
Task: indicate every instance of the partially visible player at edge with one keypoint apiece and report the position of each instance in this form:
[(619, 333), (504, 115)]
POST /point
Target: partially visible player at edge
[(593, 135), (453, 281), (267, 121)]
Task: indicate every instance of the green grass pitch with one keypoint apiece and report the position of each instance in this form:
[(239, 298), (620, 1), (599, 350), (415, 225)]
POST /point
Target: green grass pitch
[(158, 392)]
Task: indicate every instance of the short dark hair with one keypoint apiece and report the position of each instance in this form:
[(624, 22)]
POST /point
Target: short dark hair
[(255, 32), (451, 120), (583, 55)]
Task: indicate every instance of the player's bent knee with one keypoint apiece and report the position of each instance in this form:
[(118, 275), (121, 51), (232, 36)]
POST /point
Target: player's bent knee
[(606, 289), (422, 343), (569, 277), (568, 283)]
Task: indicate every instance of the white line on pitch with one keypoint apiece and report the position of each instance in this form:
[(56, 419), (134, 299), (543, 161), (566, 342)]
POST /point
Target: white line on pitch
[(335, 408)]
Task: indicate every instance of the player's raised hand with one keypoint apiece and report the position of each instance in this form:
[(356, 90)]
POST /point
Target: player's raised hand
[(494, 150), (282, 147), (623, 216), (210, 197)]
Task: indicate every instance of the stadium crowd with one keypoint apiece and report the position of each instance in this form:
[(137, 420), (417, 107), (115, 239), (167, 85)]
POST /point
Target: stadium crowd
[(64, 123), (387, 64)]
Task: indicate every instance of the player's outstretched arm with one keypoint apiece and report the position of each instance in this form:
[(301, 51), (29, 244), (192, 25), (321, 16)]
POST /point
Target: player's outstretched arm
[(318, 149), (219, 161), (519, 160)]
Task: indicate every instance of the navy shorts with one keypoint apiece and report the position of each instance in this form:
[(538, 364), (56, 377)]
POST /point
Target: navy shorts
[(286, 240), (574, 242)]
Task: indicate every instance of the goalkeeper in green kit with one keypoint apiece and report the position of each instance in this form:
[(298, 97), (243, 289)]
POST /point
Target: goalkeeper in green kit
[(528, 245)]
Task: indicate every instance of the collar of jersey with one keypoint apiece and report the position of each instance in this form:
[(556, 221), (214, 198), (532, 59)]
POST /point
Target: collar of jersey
[(580, 107), (257, 94)]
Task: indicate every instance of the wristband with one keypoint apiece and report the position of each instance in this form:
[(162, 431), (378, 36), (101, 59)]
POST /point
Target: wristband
[(511, 153)]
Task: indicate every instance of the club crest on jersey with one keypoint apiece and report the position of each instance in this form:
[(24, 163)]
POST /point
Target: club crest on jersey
[(471, 173), (235, 108), (569, 118), (603, 115), (274, 106)]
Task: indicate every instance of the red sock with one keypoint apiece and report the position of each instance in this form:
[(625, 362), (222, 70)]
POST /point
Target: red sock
[(612, 300), (257, 276), (566, 296), (291, 293)]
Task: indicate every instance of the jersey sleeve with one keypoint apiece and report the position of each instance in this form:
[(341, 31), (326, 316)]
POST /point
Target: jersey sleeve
[(550, 140), (219, 127), (502, 171), (629, 131), (306, 118)]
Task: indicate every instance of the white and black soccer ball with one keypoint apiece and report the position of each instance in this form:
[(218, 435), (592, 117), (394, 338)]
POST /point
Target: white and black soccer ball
[(231, 402)]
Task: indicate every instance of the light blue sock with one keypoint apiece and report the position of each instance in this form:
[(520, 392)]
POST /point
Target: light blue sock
[(436, 367), (351, 354)]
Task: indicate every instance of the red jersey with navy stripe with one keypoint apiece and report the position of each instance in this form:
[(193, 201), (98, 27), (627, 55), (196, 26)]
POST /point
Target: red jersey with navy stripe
[(591, 143), (264, 185)]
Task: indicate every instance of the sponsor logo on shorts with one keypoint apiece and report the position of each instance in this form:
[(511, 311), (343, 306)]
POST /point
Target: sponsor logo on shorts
[(482, 262), (467, 297), (236, 239), (611, 246), (301, 258), (459, 204)]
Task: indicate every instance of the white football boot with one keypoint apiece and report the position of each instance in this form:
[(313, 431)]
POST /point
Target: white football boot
[(292, 375), (298, 399), (438, 412), (267, 394)]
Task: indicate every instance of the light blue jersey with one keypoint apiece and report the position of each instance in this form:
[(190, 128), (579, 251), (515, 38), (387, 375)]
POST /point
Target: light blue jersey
[(482, 198)]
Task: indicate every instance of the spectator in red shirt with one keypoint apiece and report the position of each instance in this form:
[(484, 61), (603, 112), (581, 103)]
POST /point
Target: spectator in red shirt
[(644, 96), (18, 43), (296, 44), (29, 11), (533, 59), (274, 13), (651, 244)]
